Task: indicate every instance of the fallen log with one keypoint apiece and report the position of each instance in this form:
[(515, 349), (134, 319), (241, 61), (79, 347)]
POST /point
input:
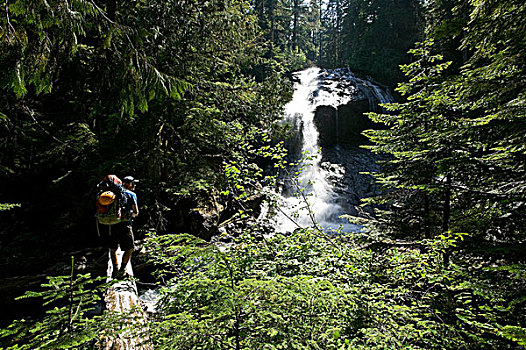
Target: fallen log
[(125, 310)]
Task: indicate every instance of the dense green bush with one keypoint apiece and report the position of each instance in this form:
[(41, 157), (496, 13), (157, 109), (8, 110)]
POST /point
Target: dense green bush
[(310, 291)]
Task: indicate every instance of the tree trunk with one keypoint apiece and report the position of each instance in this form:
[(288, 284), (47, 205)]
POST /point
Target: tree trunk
[(427, 217), (295, 20), (272, 26), (447, 205), (446, 216)]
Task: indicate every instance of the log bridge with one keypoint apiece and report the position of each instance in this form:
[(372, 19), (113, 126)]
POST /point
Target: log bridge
[(126, 314)]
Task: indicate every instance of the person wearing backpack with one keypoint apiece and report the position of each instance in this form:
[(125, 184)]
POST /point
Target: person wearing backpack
[(122, 232)]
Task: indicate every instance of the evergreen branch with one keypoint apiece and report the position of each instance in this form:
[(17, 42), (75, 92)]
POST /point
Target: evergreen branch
[(218, 339), (386, 244), (32, 115), (11, 29), (492, 193), (102, 13)]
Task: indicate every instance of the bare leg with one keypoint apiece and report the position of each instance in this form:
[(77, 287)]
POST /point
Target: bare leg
[(113, 255), (126, 258)]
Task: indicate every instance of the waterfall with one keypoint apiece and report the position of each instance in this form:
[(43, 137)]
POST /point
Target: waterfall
[(313, 178), (310, 196)]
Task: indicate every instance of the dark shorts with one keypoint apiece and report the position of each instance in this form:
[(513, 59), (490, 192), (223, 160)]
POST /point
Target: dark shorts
[(121, 235)]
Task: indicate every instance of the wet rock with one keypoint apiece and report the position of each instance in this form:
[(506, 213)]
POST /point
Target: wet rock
[(198, 216), (325, 119), (204, 219), (295, 140), (345, 166), (341, 103)]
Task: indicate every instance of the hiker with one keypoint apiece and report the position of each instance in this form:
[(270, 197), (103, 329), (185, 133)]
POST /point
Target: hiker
[(122, 233)]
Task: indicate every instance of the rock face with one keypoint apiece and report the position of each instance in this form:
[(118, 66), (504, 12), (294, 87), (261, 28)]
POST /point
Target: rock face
[(206, 216), (345, 165), (343, 124), (197, 216), (339, 118), (342, 100)]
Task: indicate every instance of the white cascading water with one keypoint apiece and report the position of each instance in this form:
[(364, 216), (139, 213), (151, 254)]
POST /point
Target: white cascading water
[(313, 179), (318, 193)]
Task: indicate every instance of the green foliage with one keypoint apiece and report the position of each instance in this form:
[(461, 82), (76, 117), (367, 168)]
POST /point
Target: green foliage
[(418, 175), (445, 21), (164, 90), (250, 296), (302, 291), (8, 206), (456, 165), (185, 95), (291, 28), (69, 321), (451, 160)]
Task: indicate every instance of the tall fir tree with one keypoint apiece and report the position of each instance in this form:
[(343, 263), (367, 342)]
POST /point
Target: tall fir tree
[(417, 179), (463, 128)]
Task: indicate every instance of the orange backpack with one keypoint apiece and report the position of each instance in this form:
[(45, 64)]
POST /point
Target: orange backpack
[(110, 200)]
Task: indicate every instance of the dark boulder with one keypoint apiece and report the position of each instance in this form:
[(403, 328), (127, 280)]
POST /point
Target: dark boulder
[(343, 124)]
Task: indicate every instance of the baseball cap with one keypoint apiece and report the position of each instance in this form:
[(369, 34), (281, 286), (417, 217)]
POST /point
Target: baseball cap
[(129, 179)]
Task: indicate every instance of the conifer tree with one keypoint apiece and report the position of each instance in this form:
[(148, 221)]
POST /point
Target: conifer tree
[(417, 179), (376, 35), (492, 90), (462, 127)]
